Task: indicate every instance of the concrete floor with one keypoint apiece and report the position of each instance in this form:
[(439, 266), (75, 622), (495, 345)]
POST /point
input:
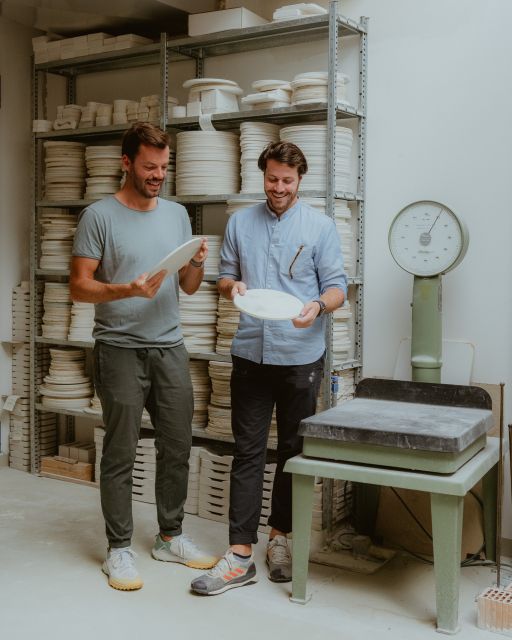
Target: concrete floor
[(52, 545)]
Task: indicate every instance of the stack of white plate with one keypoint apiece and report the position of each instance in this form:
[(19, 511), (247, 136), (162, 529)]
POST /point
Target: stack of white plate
[(201, 385), (342, 342), (198, 314), (234, 204), (82, 322), (228, 317), (169, 187), (342, 215), (66, 384), (65, 170), (103, 171), (57, 310), (270, 94), (58, 231), (254, 137), (312, 140), (311, 87), (211, 265), (207, 163)]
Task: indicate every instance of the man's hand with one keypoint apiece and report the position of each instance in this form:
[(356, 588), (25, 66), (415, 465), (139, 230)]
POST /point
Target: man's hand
[(307, 316), (144, 287), (238, 287), (202, 252)]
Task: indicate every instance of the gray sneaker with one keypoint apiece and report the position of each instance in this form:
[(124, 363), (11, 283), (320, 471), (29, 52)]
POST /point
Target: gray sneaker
[(120, 568), (181, 549), (228, 573), (279, 560)]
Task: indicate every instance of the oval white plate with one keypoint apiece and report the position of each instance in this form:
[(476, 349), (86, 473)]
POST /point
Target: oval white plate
[(269, 304), (177, 258)]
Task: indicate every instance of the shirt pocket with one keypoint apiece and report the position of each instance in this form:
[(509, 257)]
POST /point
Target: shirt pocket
[(297, 262)]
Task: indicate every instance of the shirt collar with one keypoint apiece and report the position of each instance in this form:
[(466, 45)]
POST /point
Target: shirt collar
[(287, 213)]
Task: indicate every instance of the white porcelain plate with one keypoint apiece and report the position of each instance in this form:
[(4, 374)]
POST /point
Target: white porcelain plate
[(177, 258), (269, 304)]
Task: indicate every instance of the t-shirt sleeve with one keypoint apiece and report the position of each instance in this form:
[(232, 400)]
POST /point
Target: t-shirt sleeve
[(229, 258), (90, 235), (329, 260)]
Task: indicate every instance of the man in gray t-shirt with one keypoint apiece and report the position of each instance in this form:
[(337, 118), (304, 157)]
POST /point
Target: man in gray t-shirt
[(140, 360)]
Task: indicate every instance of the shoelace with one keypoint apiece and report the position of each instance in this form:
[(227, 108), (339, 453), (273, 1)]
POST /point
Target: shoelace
[(188, 545), (220, 568), (123, 559), (280, 553)]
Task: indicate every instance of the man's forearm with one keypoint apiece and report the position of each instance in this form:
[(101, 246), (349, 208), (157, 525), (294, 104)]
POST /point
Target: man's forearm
[(333, 299), (191, 278), (88, 290)]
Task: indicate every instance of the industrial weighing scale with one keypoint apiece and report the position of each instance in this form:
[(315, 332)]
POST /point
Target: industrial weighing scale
[(427, 239)]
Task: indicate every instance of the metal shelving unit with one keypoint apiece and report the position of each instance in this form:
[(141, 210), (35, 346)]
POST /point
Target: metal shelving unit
[(331, 28)]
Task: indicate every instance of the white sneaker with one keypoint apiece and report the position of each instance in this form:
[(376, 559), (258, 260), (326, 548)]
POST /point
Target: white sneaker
[(181, 549), (121, 570)]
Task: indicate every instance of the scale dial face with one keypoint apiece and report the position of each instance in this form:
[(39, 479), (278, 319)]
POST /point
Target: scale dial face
[(427, 239)]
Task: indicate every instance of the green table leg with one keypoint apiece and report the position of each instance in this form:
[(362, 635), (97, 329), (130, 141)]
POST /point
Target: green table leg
[(447, 514), (302, 510), (490, 497)]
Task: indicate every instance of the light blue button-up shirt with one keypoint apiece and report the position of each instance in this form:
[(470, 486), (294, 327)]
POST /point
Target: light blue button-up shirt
[(258, 249)]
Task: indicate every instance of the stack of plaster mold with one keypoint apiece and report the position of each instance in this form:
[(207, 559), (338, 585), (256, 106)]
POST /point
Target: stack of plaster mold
[(270, 94), (211, 95), (68, 116)]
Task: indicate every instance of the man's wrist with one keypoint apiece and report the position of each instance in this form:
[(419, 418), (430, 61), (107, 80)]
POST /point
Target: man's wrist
[(196, 263), (322, 306)]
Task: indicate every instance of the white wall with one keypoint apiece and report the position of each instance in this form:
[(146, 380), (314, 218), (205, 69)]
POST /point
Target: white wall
[(15, 181)]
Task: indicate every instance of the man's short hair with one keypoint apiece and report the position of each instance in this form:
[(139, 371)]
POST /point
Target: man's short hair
[(143, 133), (285, 152)]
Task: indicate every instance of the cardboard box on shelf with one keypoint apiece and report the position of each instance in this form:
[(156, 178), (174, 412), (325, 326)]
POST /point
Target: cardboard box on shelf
[(212, 21)]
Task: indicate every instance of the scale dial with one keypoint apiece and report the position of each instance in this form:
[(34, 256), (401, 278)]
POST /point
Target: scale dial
[(427, 239)]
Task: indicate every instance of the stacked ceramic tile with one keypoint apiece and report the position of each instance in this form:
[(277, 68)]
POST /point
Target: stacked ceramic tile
[(342, 335), (228, 317), (341, 504), (270, 94), (312, 86), (57, 310), (211, 266), (312, 140), (254, 137), (66, 385), (64, 170), (169, 187), (58, 230), (82, 322), (21, 312), (214, 483), (342, 216), (207, 162), (198, 314), (201, 386), (103, 171), (219, 409), (68, 117), (234, 204)]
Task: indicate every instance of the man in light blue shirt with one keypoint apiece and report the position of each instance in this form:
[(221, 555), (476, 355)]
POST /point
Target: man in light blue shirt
[(286, 245)]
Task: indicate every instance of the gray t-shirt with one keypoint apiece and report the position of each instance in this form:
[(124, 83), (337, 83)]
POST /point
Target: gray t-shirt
[(128, 242)]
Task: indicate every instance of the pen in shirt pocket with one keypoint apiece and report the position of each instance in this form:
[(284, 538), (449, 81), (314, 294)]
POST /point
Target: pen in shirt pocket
[(299, 250)]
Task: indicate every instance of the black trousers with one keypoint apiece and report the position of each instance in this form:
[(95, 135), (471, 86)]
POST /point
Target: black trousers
[(127, 380), (255, 389)]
